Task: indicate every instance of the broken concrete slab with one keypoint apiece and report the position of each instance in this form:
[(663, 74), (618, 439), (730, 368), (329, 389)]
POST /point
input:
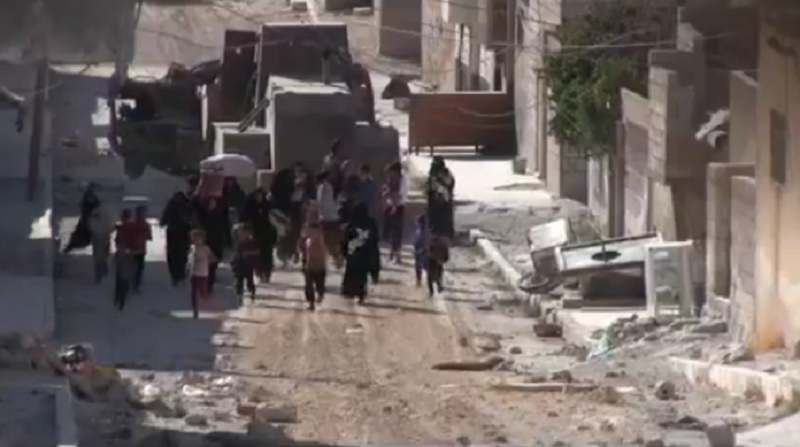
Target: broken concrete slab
[(774, 389)]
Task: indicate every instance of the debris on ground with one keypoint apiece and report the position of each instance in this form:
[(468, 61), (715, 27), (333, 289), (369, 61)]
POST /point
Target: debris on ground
[(486, 364)]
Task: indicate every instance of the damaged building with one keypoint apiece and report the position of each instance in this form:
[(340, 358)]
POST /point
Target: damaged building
[(159, 122), (279, 96)]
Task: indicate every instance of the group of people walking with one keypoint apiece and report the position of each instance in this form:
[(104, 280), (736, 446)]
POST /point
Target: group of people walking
[(310, 220)]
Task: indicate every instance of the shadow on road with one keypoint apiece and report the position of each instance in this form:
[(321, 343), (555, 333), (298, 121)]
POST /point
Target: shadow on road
[(155, 331)]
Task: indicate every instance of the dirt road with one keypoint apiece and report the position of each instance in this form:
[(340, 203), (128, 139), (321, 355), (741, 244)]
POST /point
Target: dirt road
[(362, 374)]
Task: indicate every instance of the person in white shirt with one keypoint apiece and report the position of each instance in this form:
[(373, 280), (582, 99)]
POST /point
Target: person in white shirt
[(328, 208), (395, 196)]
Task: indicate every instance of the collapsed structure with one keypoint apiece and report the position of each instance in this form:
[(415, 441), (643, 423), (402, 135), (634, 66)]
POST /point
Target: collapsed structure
[(279, 96)]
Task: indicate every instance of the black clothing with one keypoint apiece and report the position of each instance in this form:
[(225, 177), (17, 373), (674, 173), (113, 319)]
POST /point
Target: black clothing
[(177, 219), (234, 197), (216, 225), (256, 214), (393, 222), (439, 192), (315, 286), (81, 237), (246, 277), (360, 245)]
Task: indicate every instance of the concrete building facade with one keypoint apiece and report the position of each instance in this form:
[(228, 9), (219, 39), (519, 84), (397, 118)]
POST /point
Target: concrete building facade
[(399, 25), (777, 271)]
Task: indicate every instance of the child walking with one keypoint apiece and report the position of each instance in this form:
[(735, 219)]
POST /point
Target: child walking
[(314, 255), (245, 261), (437, 256), (420, 247), (200, 260)]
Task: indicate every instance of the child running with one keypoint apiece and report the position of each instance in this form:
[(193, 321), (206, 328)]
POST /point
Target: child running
[(200, 260), (314, 256), (245, 261)]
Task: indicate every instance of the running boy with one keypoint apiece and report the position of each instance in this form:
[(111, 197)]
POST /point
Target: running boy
[(314, 255), (245, 261), (200, 260)]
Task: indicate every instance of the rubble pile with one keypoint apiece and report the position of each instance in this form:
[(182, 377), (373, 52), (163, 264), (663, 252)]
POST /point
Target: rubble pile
[(633, 329)]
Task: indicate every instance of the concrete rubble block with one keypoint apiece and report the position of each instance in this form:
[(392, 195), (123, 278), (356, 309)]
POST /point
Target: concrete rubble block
[(275, 412), (721, 435), (196, 420), (711, 327), (665, 390), (548, 330)]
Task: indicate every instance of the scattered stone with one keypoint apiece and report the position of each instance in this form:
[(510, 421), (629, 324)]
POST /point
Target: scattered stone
[(562, 376), (608, 395), (246, 409), (737, 354), (515, 350), (485, 307), (487, 343), (196, 420), (535, 379), (720, 435), (612, 374), (548, 330), (463, 441), (583, 427), (681, 323), (665, 391), (552, 414), (711, 327), (282, 413), (607, 426)]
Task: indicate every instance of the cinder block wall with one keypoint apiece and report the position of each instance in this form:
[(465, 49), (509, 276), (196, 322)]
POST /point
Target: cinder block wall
[(399, 25), (742, 261)]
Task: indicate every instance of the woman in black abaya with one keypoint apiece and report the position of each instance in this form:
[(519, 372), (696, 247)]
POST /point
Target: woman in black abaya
[(440, 188), (81, 237), (256, 213), (177, 219), (359, 248), (214, 219)]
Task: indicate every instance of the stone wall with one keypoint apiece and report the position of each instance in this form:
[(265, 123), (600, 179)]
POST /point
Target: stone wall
[(742, 261)]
